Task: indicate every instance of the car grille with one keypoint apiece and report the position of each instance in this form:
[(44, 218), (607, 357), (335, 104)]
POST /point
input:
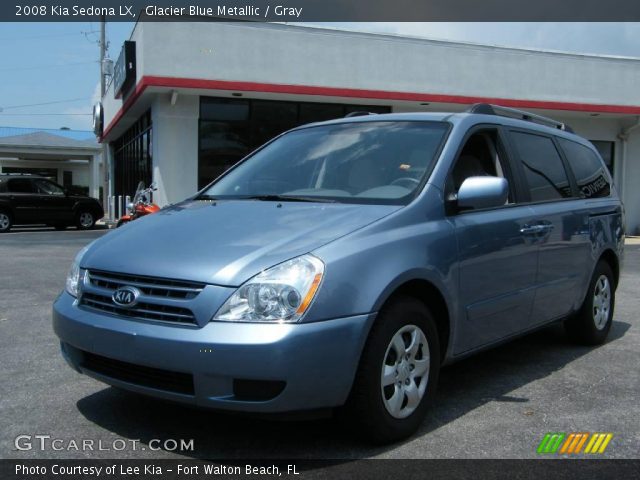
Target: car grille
[(154, 288), (139, 375)]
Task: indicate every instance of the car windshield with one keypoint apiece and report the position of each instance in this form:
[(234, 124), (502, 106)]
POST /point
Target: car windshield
[(360, 162)]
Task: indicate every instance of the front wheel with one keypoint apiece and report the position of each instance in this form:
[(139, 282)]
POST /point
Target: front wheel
[(398, 372), (86, 220), (5, 222), (591, 325)]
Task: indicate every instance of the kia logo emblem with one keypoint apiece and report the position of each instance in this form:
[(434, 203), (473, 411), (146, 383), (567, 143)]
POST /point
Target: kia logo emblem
[(126, 296)]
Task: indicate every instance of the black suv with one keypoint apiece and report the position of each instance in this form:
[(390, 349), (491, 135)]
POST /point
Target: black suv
[(29, 199)]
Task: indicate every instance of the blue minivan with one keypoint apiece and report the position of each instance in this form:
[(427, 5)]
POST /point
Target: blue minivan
[(344, 262)]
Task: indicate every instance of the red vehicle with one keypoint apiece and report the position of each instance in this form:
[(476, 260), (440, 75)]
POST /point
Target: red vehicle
[(141, 204)]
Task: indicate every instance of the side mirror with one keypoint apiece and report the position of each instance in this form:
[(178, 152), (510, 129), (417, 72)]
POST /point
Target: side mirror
[(482, 192)]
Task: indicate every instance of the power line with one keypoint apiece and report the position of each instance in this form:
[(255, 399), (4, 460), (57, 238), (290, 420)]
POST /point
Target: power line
[(46, 35), (39, 67), (44, 103)]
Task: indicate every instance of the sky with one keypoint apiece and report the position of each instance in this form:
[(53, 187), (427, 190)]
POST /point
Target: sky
[(49, 73)]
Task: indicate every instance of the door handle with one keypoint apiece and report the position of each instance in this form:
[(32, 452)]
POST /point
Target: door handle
[(535, 229)]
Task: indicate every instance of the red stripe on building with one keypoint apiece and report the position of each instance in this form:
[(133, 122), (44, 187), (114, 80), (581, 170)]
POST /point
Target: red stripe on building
[(203, 84)]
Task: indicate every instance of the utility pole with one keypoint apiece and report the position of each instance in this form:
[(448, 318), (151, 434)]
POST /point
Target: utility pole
[(106, 167), (103, 51)]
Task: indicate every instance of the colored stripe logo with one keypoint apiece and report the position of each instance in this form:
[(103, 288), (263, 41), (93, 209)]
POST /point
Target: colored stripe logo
[(574, 442)]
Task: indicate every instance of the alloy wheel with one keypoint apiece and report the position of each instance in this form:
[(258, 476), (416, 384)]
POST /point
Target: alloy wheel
[(601, 302), (405, 371), (86, 219), (5, 221)]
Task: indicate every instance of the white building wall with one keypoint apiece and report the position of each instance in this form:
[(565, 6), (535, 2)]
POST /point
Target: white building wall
[(175, 147), (284, 54)]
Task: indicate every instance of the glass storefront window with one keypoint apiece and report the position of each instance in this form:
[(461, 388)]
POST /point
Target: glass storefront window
[(607, 151), (132, 157), (232, 128)]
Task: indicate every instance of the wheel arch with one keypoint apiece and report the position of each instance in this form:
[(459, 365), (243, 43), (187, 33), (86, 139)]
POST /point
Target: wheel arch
[(610, 257), (427, 292), (5, 207), (93, 208)]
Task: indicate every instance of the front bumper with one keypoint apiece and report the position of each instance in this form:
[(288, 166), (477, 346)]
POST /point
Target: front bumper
[(316, 362)]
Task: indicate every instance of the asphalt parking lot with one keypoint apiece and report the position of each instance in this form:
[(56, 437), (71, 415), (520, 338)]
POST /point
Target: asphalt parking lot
[(498, 404)]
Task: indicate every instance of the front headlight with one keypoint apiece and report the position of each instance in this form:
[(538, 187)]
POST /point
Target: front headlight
[(279, 294), (73, 279)]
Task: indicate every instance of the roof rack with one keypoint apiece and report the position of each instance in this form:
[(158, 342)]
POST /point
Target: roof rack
[(489, 109), (358, 114)]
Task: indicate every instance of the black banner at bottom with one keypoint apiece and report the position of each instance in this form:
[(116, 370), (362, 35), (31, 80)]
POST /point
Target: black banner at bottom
[(542, 469)]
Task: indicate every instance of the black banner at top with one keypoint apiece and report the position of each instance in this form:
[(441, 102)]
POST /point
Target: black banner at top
[(323, 10)]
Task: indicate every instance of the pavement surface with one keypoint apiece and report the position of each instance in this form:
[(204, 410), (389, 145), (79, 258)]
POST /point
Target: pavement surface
[(497, 404)]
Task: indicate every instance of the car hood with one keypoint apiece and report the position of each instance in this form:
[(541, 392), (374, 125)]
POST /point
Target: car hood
[(225, 242)]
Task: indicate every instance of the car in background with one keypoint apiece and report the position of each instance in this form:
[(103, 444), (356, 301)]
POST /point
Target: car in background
[(30, 199)]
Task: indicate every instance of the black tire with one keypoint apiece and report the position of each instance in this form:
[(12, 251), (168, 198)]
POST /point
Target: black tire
[(121, 222), (366, 406), (5, 221), (587, 327), (85, 220)]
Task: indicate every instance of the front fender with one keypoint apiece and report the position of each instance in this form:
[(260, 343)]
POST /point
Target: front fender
[(365, 268)]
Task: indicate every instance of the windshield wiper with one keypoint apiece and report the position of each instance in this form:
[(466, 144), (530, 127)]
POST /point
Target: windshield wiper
[(288, 198), (204, 196)]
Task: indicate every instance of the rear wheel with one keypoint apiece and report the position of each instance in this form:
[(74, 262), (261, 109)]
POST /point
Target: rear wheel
[(591, 325), (398, 372), (5, 221), (86, 220)]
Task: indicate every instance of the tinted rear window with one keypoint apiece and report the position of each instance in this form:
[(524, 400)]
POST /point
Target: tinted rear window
[(591, 175), (20, 185), (543, 167)]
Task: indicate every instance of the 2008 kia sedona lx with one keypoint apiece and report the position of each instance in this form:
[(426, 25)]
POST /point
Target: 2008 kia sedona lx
[(341, 264)]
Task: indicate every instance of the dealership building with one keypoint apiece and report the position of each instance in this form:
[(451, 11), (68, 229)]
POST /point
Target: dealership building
[(187, 100)]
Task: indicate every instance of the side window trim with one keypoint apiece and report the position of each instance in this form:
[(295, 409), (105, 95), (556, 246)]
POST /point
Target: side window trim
[(521, 191), (526, 195), (575, 191)]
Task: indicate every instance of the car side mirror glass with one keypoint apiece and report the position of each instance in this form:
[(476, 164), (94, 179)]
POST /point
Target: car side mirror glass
[(482, 192)]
